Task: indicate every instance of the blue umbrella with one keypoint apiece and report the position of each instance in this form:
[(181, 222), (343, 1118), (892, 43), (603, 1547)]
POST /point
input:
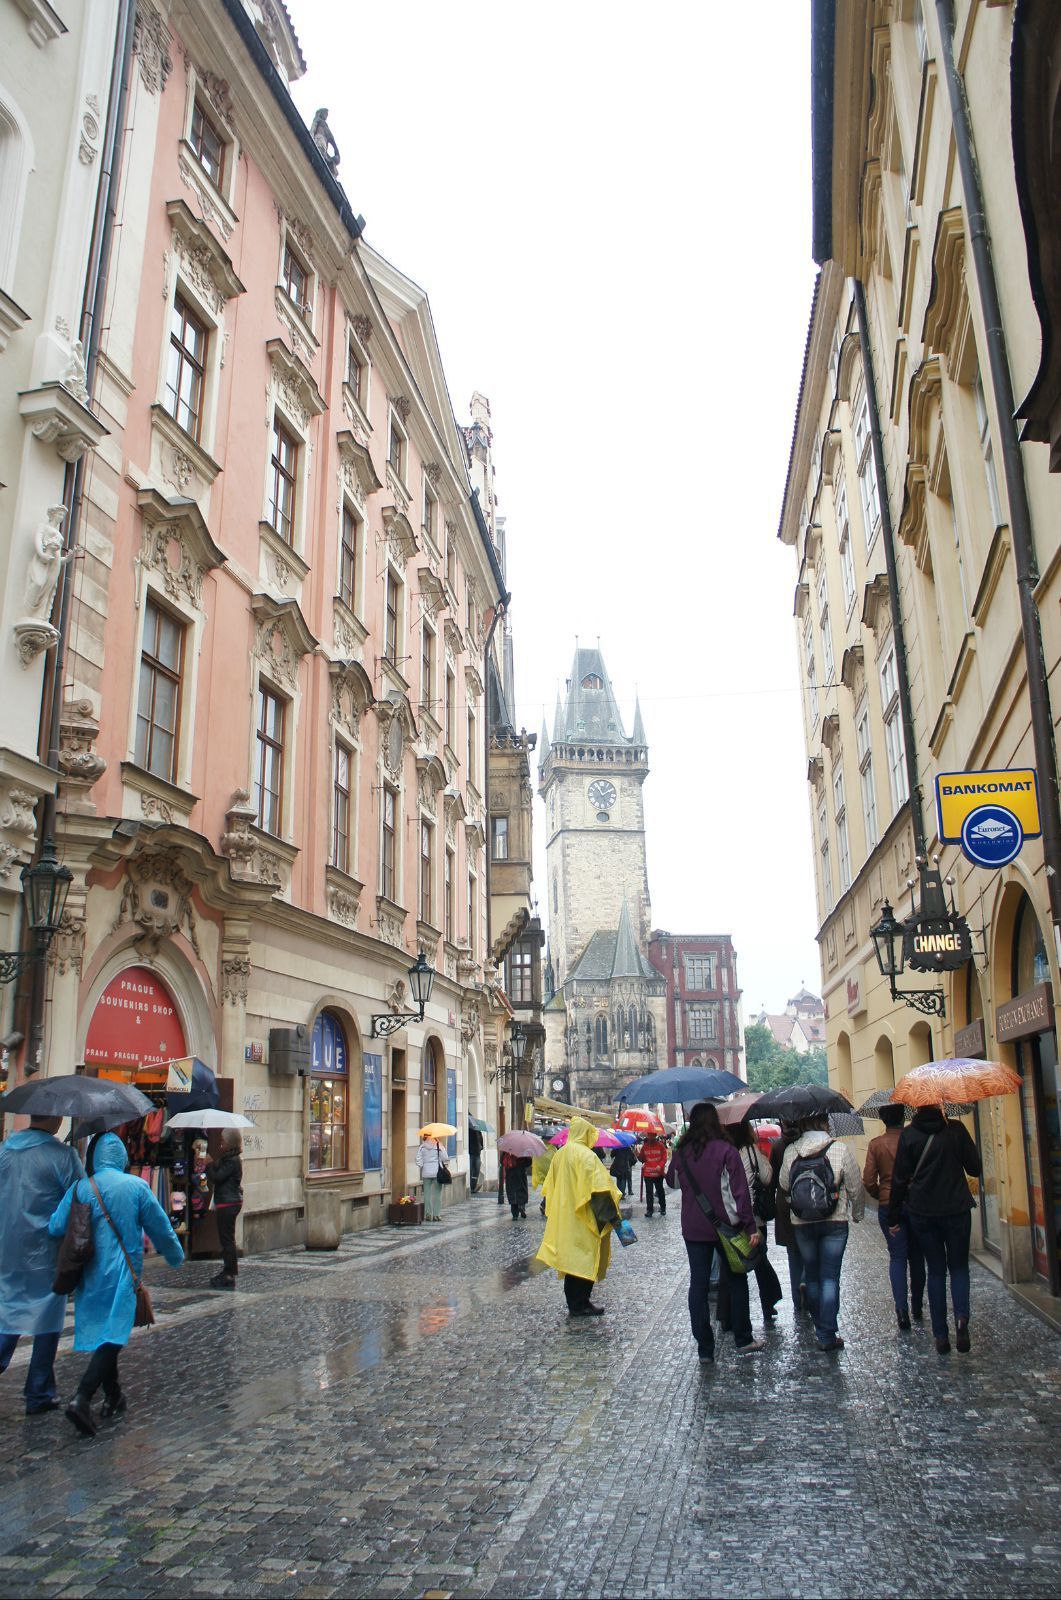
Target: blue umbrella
[(625, 1138), (678, 1085)]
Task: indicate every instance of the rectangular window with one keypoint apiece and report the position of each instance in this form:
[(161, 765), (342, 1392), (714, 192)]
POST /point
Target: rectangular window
[(867, 781), (208, 145), (520, 975), (393, 613), (699, 972), (847, 555), (702, 1022), (327, 1124), (987, 451), (349, 556), (427, 669), (499, 838), (920, 36), (473, 913), (451, 699), (269, 769), (893, 731), (827, 869), (429, 1087), (843, 847), (427, 868), (812, 672), (186, 374), (355, 372), (283, 482), (869, 489), (341, 809), (396, 450), (451, 563), (430, 512), (295, 279), (473, 769), (388, 850), (828, 663), (447, 925), (159, 694)]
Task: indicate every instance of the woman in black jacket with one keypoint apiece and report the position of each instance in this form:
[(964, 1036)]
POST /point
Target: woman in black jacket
[(931, 1164), (226, 1175)]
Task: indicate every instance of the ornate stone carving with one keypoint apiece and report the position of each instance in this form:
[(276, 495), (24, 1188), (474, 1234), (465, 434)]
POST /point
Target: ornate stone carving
[(434, 473), (351, 695), (237, 842), (78, 761), (402, 406), (66, 953), (322, 137), (218, 93), (157, 896), (281, 638), (396, 996), (235, 979), (18, 821), (399, 535), (33, 638), (296, 227), (165, 552), (191, 175), (151, 46), (431, 778), (471, 1020), (45, 563), (362, 327), (251, 858), (357, 475), (390, 923), (75, 373), (467, 966), (88, 146), (293, 385), (153, 805), (343, 906), (202, 260)]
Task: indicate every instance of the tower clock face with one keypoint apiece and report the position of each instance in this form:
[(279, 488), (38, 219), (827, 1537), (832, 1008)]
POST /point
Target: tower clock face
[(601, 794)]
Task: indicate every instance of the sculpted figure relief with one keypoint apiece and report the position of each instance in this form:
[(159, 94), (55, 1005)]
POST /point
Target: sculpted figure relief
[(45, 563)]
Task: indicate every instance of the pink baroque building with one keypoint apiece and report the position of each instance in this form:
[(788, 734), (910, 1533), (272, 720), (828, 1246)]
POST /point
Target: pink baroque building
[(704, 1025), (274, 729)]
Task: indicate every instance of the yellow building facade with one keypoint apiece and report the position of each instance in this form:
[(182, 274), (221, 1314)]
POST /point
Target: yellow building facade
[(927, 537)]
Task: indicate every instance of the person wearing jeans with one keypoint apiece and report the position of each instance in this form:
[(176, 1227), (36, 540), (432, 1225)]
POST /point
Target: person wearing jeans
[(931, 1163), (905, 1255), (784, 1229), (429, 1159), (823, 1240), (226, 1175)]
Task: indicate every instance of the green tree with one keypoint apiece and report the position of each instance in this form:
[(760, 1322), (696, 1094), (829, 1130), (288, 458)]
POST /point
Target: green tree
[(777, 1066)]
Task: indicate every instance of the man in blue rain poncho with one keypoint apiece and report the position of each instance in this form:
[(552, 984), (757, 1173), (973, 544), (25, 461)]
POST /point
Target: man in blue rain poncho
[(35, 1172), (581, 1208), (105, 1299)]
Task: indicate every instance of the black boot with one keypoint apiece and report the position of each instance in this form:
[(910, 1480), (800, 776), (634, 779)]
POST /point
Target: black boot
[(113, 1406), (79, 1412)]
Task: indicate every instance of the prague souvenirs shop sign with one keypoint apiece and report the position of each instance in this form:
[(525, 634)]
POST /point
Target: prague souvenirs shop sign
[(990, 814)]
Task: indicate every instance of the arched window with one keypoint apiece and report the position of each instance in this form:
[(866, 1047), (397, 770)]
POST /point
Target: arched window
[(16, 162), (600, 1038), (592, 680), (329, 1099), (432, 1076)]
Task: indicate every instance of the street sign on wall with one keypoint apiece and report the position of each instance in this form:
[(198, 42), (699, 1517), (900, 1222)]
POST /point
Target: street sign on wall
[(990, 814)]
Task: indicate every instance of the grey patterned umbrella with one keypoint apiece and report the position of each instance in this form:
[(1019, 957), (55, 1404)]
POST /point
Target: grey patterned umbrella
[(845, 1124), (883, 1097)]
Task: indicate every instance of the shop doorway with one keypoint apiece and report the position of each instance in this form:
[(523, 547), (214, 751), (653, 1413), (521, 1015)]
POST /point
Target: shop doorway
[(398, 1131), (1040, 1113)]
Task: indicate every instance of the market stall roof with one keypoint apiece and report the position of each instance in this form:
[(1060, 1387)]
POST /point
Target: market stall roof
[(557, 1111)]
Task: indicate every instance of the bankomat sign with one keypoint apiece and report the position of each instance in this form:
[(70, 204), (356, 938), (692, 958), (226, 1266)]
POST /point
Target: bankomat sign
[(990, 814)]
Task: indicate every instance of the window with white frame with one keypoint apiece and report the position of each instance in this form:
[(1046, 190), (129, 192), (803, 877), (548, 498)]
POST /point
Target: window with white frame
[(847, 555), (397, 448), (834, 360), (428, 654), (473, 913), (429, 513), (828, 661), (185, 392), (451, 706), (699, 972), (342, 806), (869, 490), (987, 451), (812, 674), (843, 844), (282, 495), (392, 618), (447, 887), (158, 706), (867, 779), (209, 144), (350, 546), (701, 1022), (388, 855), (499, 838), (823, 847), (427, 872), (815, 463), (296, 278), (893, 730), (473, 735), (357, 370), (270, 738)]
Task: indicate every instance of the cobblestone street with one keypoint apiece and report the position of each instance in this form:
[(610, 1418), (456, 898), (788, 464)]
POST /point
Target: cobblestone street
[(415, 1413)]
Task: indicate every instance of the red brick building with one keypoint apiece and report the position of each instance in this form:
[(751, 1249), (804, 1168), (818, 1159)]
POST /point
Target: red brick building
[(704, 1024)]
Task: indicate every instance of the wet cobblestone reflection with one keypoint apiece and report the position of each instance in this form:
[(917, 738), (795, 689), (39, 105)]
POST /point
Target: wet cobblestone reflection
[(415, 1413)]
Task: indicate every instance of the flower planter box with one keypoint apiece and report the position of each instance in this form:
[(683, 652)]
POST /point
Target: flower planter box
[(406, 1216)]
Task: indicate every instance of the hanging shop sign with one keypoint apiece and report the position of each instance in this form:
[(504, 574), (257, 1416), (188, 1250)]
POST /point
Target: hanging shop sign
[(935, 938), (135, 1023), (1027, 1014), (971, 1042), (990, 814)]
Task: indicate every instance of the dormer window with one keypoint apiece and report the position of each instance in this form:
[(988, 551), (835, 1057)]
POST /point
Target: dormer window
[(592, 681), (295, 279), (209, 146)]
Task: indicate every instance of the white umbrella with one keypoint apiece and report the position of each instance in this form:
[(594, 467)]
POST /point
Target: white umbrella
[(209, 1118)]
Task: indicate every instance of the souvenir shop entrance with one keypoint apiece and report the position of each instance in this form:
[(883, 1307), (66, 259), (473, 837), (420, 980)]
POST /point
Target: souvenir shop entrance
[(135, 1036)]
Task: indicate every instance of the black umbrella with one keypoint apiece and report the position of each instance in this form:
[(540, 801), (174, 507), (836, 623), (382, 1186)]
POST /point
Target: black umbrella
[(102, 1101), (801, 1100)]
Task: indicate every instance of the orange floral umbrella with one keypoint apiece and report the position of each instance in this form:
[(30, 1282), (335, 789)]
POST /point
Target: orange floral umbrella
[(955, 1080)]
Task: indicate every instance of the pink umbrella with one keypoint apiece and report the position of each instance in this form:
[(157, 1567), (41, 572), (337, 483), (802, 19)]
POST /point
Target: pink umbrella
[(520, 1142), (735, 1110), (606, 1140)]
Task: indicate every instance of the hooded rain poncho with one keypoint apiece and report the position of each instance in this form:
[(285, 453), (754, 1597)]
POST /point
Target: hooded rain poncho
[(105, 1299), (573, 1242), (35, 1172)]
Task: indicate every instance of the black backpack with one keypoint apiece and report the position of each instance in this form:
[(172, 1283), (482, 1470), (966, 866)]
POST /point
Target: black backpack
[(813, 1187)]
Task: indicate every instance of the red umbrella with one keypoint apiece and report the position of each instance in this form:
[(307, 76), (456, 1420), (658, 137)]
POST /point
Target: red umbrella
[(640, 1122)]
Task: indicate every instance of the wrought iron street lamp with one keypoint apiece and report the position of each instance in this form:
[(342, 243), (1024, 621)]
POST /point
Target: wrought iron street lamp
[(45, 887), (889, 947), (421, 979)]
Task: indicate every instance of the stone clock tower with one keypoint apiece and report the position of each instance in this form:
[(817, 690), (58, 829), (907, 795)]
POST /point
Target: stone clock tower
[(607, 1012)]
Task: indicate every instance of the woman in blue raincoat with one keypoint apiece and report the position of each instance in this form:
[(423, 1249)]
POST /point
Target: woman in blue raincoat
[(105, 1299)]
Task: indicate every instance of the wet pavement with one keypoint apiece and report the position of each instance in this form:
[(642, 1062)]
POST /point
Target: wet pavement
[(415, 1414)]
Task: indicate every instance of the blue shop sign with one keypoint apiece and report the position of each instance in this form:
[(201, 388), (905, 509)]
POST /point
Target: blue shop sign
[(329, 1047), (992, 836)]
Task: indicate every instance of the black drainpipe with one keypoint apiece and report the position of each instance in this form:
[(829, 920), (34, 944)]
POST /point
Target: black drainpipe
[(887, 533), (1016, 489), (89, 333)]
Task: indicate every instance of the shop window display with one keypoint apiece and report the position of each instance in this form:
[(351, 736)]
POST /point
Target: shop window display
[(329, 1096)]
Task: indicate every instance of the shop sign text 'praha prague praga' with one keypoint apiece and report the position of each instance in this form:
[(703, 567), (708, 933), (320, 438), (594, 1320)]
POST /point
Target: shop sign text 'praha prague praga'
[(990, 814)]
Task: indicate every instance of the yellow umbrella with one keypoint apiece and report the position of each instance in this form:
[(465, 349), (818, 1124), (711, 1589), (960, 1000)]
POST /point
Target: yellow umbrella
[(437, 1130)]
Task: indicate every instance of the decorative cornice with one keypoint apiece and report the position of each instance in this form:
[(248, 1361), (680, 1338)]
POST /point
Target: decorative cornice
[(294, 385), (151, 46), (203, 261), (398, 532), (357, 475), (58, 418), (282, 637), (177, 545), (12, 318)]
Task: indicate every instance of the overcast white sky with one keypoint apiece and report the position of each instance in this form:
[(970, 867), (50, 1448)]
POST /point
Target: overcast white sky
[(609, 208)]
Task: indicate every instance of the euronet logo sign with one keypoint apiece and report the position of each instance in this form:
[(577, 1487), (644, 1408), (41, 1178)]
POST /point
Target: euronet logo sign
[(990, 814)]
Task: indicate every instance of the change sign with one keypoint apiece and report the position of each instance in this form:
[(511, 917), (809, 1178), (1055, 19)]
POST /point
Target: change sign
[(990, 814)]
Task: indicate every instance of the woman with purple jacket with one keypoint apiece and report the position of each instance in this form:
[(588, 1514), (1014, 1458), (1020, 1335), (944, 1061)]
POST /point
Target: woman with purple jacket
[(705, 1160)]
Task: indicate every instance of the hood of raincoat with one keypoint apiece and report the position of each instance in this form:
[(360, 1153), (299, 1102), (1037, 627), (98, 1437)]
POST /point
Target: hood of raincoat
[(573, 1242), (582, 1132), (808, 1144), (35, 1173), (109, 1151)]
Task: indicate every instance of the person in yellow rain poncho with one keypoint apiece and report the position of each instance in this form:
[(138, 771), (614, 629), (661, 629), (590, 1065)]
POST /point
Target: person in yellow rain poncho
[(581, 1208), (539, 1167)]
